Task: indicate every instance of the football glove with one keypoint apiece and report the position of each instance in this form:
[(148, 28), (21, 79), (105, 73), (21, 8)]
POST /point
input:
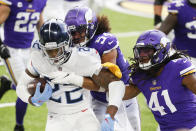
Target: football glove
[(113, 68), (108, 123), (4, 52), (60, 77), (39, 98)]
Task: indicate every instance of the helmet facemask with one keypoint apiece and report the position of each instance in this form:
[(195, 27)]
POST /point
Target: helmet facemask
[(152, 49), (57, 54), (144, 56), (83, 22), (79, 35)]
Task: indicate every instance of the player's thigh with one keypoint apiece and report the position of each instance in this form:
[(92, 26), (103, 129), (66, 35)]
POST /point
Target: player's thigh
[(99, 109), (57, 122), (17, 61), (133, 113), (87, 121)]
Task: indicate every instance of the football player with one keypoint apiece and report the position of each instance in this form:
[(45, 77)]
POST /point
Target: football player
[(20, 19), (184, 25), (158, 6), (167, 79), (94, 32), (68, 106)]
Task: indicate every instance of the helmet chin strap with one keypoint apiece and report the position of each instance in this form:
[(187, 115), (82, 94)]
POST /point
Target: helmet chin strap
[(145, 66)]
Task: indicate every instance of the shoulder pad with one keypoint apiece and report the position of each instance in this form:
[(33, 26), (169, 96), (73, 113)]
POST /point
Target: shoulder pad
[(175, 6), (183, 66), (106, 42)]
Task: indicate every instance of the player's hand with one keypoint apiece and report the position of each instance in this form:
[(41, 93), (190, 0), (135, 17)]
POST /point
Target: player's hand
[(39, 98), (107, 124), (67, 78), (4, 52)]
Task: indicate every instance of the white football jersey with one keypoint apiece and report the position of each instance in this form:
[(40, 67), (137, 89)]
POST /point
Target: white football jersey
[(67, 98)]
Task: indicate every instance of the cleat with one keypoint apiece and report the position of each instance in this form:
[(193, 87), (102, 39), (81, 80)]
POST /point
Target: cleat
[(19, 128), (5, 85)]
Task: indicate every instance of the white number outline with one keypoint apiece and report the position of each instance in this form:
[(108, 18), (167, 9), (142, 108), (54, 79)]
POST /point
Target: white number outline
[(154, 101), (191, 26), (24, 18)]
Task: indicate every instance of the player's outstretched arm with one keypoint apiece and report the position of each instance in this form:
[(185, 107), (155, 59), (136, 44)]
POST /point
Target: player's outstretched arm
[(131, 91)]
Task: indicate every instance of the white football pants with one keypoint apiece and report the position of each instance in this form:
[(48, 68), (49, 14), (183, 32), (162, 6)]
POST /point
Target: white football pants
[(18, 62), (80, 121)]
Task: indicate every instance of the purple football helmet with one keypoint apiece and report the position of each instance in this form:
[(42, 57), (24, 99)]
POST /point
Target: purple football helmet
[(156, 42), (81, 19)]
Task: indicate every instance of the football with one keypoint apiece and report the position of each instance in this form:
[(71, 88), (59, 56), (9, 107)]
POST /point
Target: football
[(32, 85)]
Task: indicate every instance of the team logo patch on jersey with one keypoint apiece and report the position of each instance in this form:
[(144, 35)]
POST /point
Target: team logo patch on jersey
[(19, 4)]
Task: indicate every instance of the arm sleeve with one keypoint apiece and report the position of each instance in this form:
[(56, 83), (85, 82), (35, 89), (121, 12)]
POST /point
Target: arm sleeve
[(116, 93)]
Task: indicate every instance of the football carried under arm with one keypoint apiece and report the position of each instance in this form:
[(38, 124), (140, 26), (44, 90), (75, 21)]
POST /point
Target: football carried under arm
[(37, 98)]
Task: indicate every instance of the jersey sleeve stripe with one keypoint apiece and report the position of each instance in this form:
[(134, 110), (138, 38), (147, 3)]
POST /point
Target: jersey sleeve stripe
[(173, 11), (5, 2), (188, 70), (107, 51)]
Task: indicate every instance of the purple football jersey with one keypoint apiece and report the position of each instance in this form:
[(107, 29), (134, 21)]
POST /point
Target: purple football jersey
[(172, 104), (104, 43), (20, 25), (185, 30)]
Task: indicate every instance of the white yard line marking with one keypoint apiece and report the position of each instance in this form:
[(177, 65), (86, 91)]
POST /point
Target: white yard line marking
[(2, 105)]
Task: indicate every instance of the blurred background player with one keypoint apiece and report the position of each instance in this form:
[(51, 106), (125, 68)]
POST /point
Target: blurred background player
[(20, 19), (158, 6), (184, 25), (94, 32), (171, 98)]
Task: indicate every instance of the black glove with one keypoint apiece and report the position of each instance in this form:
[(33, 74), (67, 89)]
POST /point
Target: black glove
[(4, 52)]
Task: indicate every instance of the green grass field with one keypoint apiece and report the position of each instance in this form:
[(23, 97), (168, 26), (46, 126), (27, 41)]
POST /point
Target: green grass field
[(35, 118)]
